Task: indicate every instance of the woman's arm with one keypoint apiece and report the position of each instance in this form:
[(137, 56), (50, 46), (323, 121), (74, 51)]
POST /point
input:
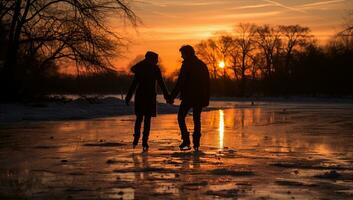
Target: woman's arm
[(162, 84), (131, 90)]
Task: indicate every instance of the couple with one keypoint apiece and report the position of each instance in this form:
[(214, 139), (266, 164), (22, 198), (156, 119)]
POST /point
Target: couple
[(193, 84)]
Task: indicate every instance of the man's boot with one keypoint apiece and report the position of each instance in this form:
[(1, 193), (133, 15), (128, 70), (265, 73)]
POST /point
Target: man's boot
[(136, 141), (185, 145), (145, 143), (196, 140)]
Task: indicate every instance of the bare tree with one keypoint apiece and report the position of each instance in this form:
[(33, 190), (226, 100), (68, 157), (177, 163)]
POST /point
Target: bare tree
[(349, 23), (207, 51), (225, 46), (344, 39), (268, 40), (295, 38), (257, 61), (73, 30), (234, 61), (245, 41), (216, 50)]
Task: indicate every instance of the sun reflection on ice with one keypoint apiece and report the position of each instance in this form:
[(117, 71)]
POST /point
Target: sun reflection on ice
[(221, 128)]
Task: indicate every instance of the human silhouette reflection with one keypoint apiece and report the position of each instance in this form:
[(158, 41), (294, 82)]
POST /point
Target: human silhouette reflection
[(190, 160), (191, 163), (147, 73), (142, 175)]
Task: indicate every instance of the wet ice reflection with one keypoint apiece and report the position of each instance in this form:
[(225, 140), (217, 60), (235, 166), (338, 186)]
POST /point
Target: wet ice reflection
[(250, 152), (221, 129)]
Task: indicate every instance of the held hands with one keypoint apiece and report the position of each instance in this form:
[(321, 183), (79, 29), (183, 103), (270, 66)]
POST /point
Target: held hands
[(169, 99), (127, 101)]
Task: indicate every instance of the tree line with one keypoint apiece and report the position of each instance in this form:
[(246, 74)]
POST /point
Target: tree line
[(278, 60)]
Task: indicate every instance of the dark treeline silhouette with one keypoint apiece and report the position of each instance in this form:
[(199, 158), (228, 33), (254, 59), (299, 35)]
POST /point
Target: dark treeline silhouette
[(109, 82), (278, 60)]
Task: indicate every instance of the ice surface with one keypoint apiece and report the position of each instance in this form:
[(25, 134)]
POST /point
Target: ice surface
[(268, 151)]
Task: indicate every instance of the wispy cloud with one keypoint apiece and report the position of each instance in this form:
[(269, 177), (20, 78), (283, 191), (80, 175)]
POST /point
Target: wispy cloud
[(181, 3), (252, 6), (245, 15), (320, 4), (206, 3), (284, 6)]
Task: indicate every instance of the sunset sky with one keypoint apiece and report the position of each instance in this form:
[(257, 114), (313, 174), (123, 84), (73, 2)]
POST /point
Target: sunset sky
[(168, 24)]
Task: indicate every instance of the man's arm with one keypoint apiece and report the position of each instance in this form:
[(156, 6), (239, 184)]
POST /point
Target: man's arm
[(131, 91), (205, 85), (208, 82)]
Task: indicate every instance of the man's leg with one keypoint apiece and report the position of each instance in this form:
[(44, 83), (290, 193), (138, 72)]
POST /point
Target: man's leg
[(146, 131), (197, 126), (137, 132), (183, 111)]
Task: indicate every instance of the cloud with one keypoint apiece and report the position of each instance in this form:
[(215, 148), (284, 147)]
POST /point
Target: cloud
[(320, 4), (245, 15), (252, 6), (181, 3), (284, 6)]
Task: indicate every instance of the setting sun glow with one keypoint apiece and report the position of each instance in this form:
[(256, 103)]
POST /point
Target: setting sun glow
[(221, 64)]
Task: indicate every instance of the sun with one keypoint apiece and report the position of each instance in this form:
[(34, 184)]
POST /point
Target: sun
[(221, 64)]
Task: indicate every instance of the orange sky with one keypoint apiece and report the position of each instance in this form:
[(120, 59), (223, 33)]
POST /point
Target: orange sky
[(168, 24)]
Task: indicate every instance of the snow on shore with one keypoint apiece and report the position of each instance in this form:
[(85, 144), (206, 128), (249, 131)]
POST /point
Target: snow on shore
[(76, 109)]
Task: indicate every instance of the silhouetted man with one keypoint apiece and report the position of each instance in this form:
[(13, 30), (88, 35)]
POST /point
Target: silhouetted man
[(147, 73), (194, 87)]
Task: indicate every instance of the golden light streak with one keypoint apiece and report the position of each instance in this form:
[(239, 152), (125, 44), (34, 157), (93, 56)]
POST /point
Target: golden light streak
[(221, 129)]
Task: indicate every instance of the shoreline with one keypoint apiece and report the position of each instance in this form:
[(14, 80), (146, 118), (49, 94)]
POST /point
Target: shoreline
[(102, 107), (79, 109), (289, 99)]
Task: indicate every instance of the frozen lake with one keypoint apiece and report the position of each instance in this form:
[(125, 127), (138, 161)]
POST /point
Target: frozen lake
[(267, 151)]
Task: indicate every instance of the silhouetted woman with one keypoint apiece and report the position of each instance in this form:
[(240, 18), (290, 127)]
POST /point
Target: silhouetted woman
[(146, 73)]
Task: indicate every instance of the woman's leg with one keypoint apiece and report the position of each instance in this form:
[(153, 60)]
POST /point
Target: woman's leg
[(146, 131), (137, 132)]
